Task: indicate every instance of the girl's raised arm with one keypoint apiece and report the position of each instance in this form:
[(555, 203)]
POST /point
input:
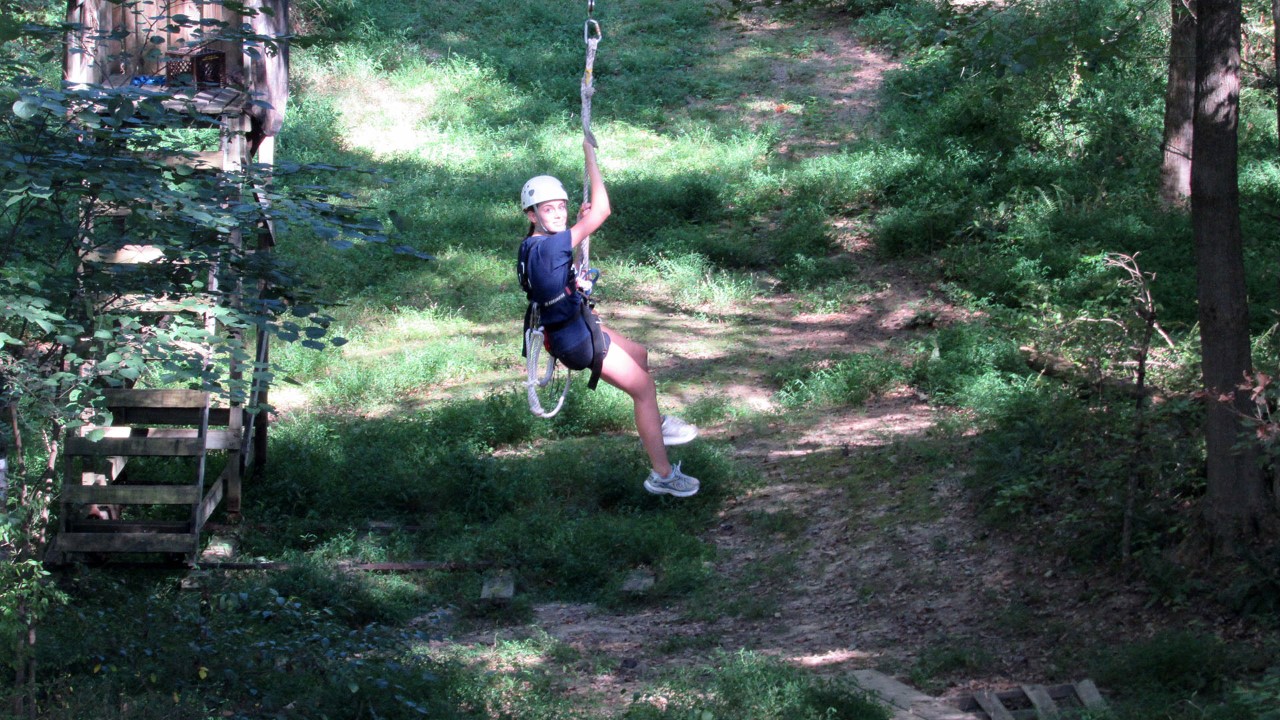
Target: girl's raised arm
[(594, 213)]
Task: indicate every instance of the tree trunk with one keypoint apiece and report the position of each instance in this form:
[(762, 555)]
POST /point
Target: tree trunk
[(1275, 52), (1179, 105), (1236, 501)]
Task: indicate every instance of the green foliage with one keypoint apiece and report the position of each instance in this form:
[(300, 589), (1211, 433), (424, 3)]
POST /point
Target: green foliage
[(969, 365), (1262, 696), (547, 515), (851, 381), (747, 686), (1256, 588), (1051, 464), (90, 172), (245, 646), (1178, 674)]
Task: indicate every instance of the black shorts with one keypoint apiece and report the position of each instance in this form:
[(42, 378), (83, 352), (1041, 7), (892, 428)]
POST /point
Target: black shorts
[(580, 356)]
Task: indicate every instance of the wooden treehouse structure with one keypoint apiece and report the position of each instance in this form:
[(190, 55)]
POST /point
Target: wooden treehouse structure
[(238, 86)]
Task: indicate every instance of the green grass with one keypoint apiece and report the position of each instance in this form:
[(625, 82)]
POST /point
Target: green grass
[(1003, 186), (752, 687), (850, 381)]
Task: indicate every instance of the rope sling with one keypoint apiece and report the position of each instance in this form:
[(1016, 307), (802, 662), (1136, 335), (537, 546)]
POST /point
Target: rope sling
[(587, 275)]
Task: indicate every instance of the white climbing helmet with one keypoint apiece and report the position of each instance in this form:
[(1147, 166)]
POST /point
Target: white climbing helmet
[(541, 189)]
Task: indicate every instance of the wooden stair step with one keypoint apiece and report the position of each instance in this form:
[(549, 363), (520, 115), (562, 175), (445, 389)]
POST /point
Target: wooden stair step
[(218, 417), (99, 526), (122, 494), (76, 542), (134, 447), (215, 439), (155, 398)]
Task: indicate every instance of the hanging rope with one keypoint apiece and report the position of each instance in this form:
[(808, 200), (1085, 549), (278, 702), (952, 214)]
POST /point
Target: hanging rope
[(591, 36), (533, 340)]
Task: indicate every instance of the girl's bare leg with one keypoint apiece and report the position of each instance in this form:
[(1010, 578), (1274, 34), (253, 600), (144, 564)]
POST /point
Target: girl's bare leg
[(633, 348), (626, 367)]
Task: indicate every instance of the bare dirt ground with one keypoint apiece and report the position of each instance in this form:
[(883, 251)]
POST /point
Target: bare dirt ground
[(876, 558)]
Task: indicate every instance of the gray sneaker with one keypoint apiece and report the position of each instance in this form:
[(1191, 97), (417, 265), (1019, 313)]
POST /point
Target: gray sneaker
[(676, 431), (677, 484)]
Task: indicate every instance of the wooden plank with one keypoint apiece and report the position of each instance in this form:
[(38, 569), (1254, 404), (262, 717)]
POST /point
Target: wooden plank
[(1089, 695), (991, 705), (215, 440), (131, 494), (126, 542), (213, 101), (95, 525), (211, 500), (890, 690), (135, 447), (118, 465), (218, 417), (155, 398), (1045, 707)]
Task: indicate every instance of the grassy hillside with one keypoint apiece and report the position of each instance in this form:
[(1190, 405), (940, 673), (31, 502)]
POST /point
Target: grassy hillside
[(751, 185)]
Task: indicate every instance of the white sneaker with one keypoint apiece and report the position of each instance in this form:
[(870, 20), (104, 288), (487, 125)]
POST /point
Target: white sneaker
[(677, 484), (676, 431)]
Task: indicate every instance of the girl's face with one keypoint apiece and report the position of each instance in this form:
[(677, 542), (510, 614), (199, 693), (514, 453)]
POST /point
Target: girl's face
[(551, 216)]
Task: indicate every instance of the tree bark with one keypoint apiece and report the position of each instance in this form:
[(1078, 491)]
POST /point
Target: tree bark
[(1275, 26), (1236, 500), (1179, 105)]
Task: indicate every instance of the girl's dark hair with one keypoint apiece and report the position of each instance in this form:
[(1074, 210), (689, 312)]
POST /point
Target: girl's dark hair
[(532, 227)]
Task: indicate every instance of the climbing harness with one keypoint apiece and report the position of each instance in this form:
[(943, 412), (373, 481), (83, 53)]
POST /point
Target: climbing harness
[(584, 276)]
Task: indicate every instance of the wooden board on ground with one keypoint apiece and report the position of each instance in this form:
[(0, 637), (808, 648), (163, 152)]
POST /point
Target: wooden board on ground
[(991, 705), (907, 702), (1045, 707), (1033, 702)]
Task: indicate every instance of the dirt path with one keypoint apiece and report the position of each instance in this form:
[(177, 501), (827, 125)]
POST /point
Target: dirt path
[(859, 550)]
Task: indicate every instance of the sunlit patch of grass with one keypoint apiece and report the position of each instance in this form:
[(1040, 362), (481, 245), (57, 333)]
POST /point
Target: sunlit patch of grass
[(693, 282), (390, 358)]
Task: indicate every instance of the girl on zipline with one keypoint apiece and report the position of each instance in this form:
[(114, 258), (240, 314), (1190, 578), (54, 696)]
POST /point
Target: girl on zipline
[(575, 335)]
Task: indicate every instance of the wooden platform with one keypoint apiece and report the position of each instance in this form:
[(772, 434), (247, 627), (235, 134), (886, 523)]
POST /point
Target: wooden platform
[(1026, 702), (1034, 702), (101, 511)]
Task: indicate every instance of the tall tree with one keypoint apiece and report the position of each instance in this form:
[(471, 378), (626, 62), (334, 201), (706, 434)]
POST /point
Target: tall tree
[(1236, 503), (1179, 104), (1275, 53)]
